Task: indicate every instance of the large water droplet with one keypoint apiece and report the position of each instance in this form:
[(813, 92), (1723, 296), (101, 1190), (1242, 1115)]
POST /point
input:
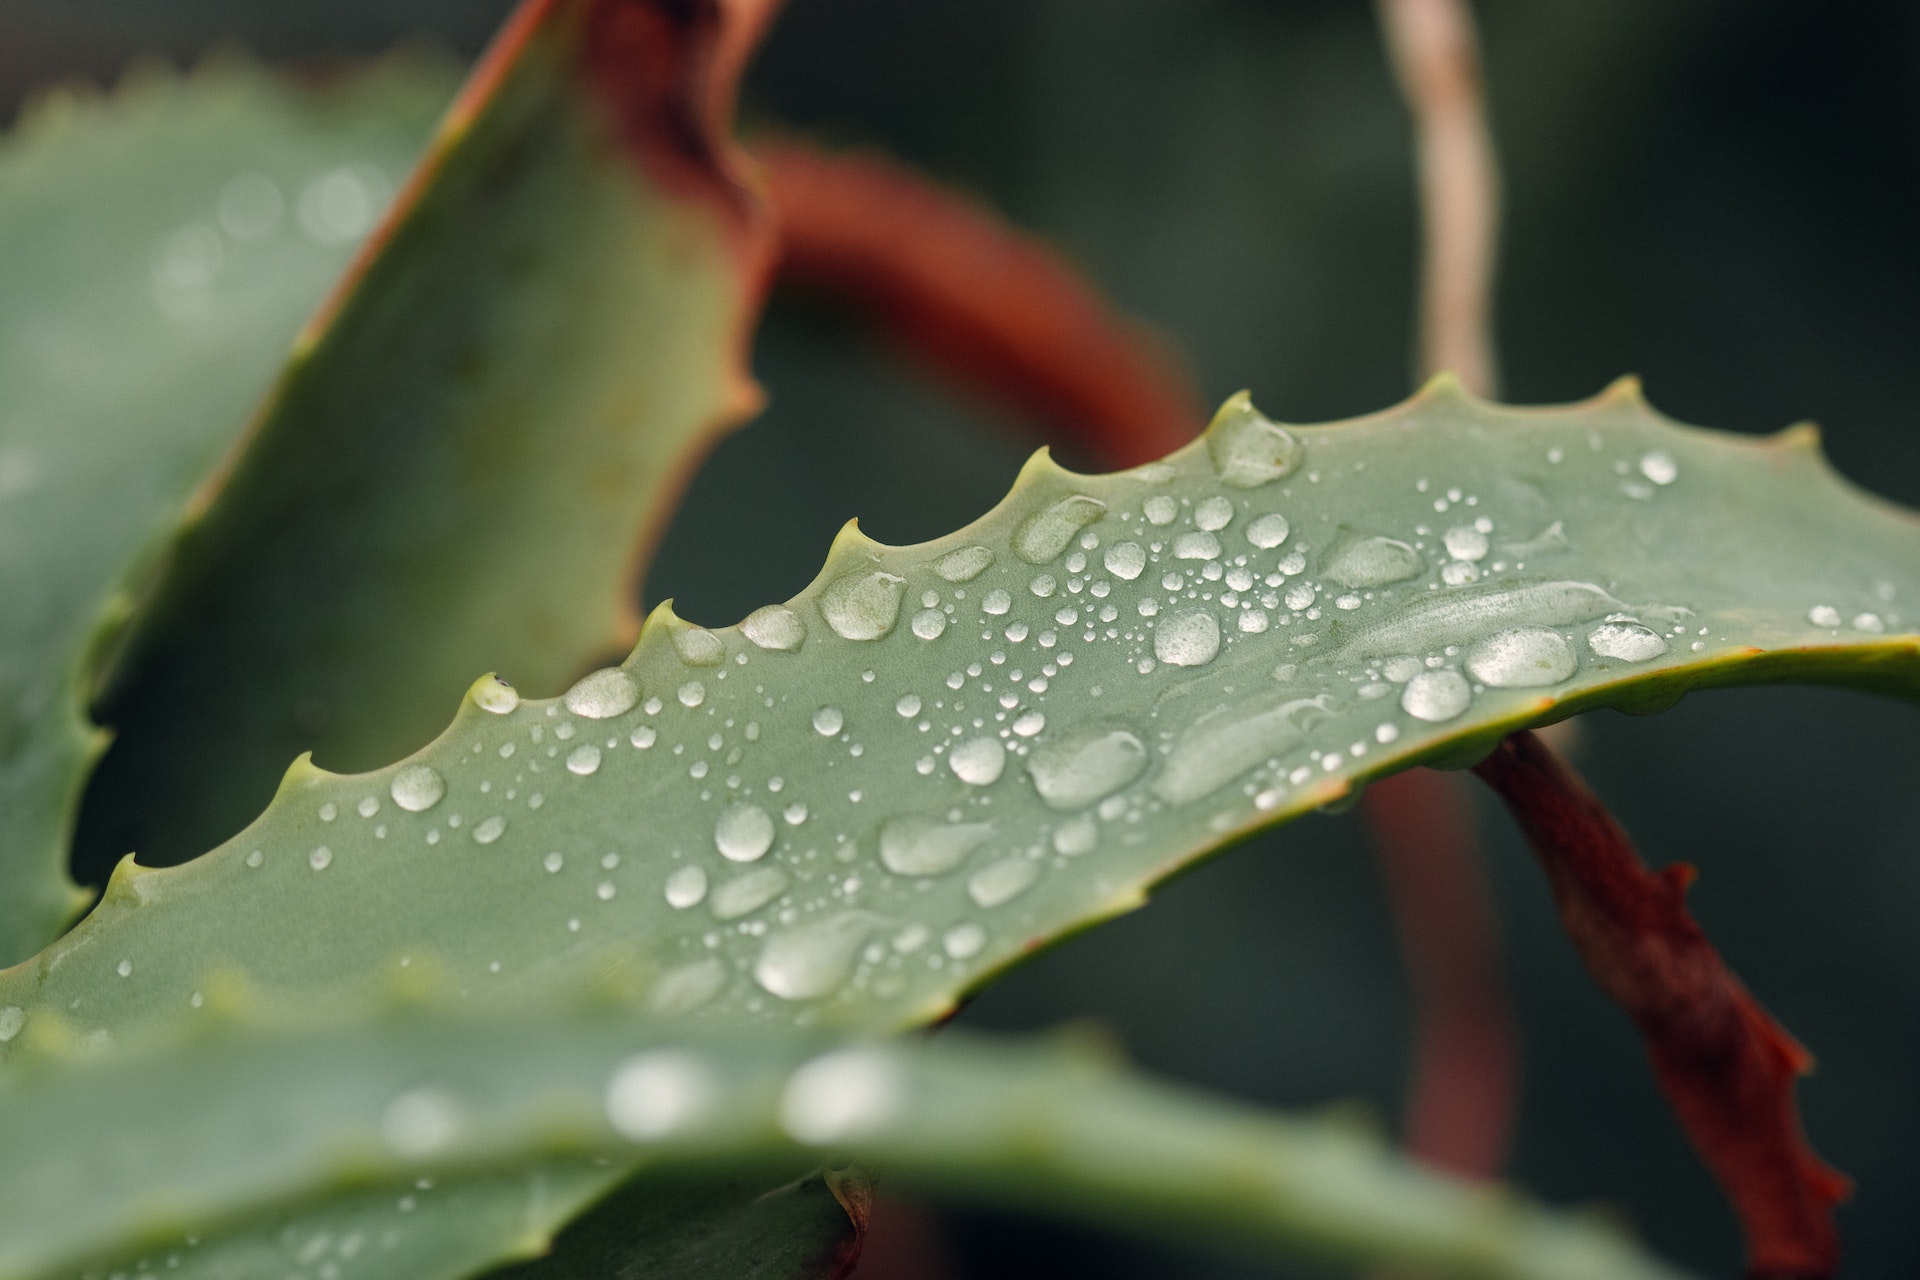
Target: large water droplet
[(1248, 448), (1627, 641), (963, 565), (843, 1095), (1213, 514), (1459, 617), (1371, 562), (652, 1094), (686, 887), (748, 892), (1268, 531), (1126, 560), (1190, 639), (929, 624), (813, 960), (929, 846), (1464, 542), (491, 693), (775, 626), (1522, 658), (1435, 696), (604, 694), (417, 788), (863, 605), (1196, 546), (584, 760), (1002, 881), (978, 762), (1086, 765), (1824, 615), (1160, 509), (698, 647), (1226, 742), (744, 832), (828, 721), (1045, 534)]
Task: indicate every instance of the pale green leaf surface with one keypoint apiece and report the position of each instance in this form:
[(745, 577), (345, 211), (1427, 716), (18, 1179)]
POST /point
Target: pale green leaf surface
[(159, 249), (456, 472), (234, 1123)]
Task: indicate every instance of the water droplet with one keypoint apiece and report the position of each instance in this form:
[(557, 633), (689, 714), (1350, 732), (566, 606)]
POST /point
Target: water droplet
[(652, 1094), (812, 960), (491, 693), (928, 624), (744, 832), (12, 1018), (1658, 466), (489, 830), (255, 858), (1227, 741), (1076, 837), (1248, 448), (1043, 535), (842, 1095), (368, 806), (692, 694), (1160, 509), (605, 693), (862, 605), (997, 602), (1435, 696), (320, 859), (1371, 562), (329, 811), (1196, 546), (748, 892), (1522, 658), (1824, 615), (1268, 531), (644, 736), (1464, 542), (698, 647), (1869, 623), (1126, 560), (1460, 617), (686, 886), (978, 762), (963, 565), (1459, 573), (584, 759), (124, 968), (419, 1122), (1190, 639), (1300, 596), (1213, 514), (775, 626), (1029, 724), (929, 846), (1086, 765), (908, 705), (688, 987), (417, 788), (963, 941), (828, 721), (1002, 881), (555, 860), (1627, 641)]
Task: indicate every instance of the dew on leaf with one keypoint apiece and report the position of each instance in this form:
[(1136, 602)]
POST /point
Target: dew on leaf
[(812, 960), (1464, 542), (652, 1094), (1460, 617), (491, 693), (1435, 696), (688, 987), (743, 832), (692, 694), (1190, 639), (996, 602), (489, 830), (1248, 448), (929, 624), (1371, 562), (1002, 881), (417, 788), (1228, 741), (1626, 641), (1268, 531), (919, 846), (12, 1018), (776, 627), (603, 694), (747, 892), (1658, 466), (1196, 546), (844, 1095), (1213, 514), (978, 762), (1077, 836), (1522, 658), (583, 760), (1126, 560), (1042, 536), (963, 565), (1160, 509), (828, 721), (685, 887), (964, 941), (1824, 615), (1085, 766), (697, 647), (419, 1122), (320, 859), (862, 605)]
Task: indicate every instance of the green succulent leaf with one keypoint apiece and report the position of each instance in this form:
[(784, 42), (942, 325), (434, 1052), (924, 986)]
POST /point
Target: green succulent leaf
[(160, 249), (476, 443), (372, 1120)]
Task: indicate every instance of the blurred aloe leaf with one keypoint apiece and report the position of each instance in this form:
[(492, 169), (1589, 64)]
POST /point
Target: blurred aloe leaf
[(160, 247), (238, 1122), (477, 442)]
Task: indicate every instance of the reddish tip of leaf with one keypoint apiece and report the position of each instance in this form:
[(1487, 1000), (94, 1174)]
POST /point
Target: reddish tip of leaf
[(989, 306), (1726, 1067)]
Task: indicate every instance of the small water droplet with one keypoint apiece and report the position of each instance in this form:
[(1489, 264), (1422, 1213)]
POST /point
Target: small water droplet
[(1464, 542), (608, 692), (1248, 448), (329, 811), (320, 859), (1085, 766), (1824, 615), (1658, 466), (748, 892), (1459, 573), (997, 602), (688, 987), (1626, 641), (963, 941), (963, 565), (12, 1018), (1029, 724), (812, 960), (255, 858), (1522, 658), (686, 886), (1190, 639), (828, 721), (1043, 535), (697, 647), (1003, 881), (652, 1094), (368, 806), (915, 846), (863, 605), (1196, 546), (419, 1122), (1213, 514), (1869, 623), (692, 694), (1160, 509), (489, 830), (1126, 560), (843, 1095), (908, 705), (1371, 562), (583, 760), (1268, 531), (1075, 837), (1435, 696), (644, 737), (743, 832), (928, 624), (491, 693), (124, 968), (978, 762), (554, 861)]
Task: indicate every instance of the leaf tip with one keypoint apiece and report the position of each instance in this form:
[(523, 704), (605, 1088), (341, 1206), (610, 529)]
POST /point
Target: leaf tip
[(1624, 390)]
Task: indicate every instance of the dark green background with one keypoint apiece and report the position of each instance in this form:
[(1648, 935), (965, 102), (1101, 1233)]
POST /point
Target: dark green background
[(1723, 197)]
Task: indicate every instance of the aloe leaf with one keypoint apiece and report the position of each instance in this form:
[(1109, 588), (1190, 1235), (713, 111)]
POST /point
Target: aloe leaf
[(238, 1122), (160, 249), (476, 442)]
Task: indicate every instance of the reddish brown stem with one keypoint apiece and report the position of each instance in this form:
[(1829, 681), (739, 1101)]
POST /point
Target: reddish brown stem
[(1465, 1054), (1726, 1067)]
